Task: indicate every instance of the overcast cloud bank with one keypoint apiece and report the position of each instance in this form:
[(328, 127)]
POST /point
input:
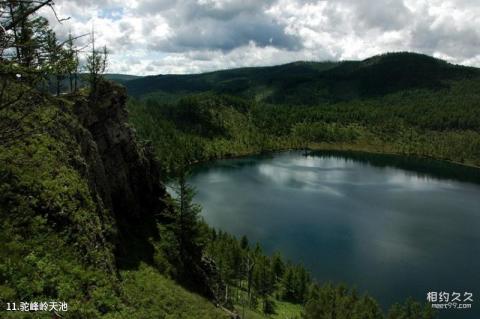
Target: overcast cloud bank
[(190, 36)]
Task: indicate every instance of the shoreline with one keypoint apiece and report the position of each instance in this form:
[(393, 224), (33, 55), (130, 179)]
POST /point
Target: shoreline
[(378, 150), (370, 149)]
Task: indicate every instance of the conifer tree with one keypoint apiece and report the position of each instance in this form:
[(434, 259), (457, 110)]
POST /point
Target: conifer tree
[(71, 63), (24, 64), (96, 65), (182, 236)]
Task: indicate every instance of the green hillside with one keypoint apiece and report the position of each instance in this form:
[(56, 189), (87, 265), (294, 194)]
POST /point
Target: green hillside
[(65, 231), (399, 103), (121, 78), (312, 83)]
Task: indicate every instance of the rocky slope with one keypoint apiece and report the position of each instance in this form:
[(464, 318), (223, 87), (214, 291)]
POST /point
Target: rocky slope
[(121, 171), (80, 199)]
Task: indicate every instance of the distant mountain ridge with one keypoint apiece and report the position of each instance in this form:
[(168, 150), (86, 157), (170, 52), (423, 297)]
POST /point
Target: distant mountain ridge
[(312, 83), (121, 78)]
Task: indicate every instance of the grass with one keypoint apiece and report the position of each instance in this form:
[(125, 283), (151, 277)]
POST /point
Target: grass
[(286, 310), (150, 295), (283, 310)]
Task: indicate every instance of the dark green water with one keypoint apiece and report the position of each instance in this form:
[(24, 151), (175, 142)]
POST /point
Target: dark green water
[(393, 227)]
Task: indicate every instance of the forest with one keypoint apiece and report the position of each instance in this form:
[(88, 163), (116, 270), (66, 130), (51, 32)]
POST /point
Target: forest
[(441, 124), (398, 103), (91, 224)]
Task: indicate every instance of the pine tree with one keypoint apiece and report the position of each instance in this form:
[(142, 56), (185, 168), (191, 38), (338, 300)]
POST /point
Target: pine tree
[(55, 57), (23, 65), (71, 62), (244, 242), (278, 266), (96, 65), (182, 237)]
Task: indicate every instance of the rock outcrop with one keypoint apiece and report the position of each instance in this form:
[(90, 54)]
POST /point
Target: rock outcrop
[(126, 181), (123, 173)]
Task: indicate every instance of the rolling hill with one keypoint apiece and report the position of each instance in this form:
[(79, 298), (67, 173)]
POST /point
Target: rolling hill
[(121, 78), (311, 83), (402, 103)]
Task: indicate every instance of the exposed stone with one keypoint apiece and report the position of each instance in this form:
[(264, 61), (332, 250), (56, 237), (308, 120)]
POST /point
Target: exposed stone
[(122, 172), (126, 180)]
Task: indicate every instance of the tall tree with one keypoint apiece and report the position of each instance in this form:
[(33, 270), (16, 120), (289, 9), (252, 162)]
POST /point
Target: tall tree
[(23, 64), (27, 32), (55, 56), (182, 234), (72, 62), (96, 65)]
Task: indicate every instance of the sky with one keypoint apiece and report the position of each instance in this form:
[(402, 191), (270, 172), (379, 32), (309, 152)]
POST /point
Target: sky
[(147, 37)]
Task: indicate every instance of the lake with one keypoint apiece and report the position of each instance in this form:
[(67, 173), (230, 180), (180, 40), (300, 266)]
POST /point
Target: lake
[(390, 226)]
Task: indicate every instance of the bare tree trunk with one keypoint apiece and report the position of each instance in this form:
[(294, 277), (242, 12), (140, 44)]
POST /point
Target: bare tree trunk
[(15, 34), (58, 84), (76, 82), (226, 293)]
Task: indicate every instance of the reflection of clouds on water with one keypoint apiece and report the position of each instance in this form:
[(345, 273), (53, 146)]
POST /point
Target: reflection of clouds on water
[(336, 176), (309, 180), (216, 177), (375, 226), (413, 182), (318, 162), (390, 238), (336, 170), (397, 249)]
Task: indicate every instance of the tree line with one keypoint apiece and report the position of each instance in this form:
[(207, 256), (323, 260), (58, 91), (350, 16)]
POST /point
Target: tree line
[(435, 124)]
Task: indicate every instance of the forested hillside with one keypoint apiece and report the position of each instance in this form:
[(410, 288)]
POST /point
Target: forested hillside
[(441, 123), (313, 83), (401, 103)]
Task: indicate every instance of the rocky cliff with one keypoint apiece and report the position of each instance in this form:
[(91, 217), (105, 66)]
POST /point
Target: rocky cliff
[(122, 172)]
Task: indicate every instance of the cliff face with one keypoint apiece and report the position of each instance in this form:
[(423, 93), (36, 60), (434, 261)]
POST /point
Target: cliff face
[(122, 172)]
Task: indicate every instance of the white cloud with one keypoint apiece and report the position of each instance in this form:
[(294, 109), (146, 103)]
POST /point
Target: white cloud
[(185, 36)]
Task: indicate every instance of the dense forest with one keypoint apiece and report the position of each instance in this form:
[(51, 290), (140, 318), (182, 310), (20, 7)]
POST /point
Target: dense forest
[(313, 83), (84, 215), (440, 124)]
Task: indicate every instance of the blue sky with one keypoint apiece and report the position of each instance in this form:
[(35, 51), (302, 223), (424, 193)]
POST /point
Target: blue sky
[(190, 36)]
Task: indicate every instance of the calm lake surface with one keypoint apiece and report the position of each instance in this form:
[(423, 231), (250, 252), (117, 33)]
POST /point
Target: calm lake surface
[(393, 227)]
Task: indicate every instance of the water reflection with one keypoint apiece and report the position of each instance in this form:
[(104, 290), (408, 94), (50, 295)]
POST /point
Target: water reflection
[(370, 223)]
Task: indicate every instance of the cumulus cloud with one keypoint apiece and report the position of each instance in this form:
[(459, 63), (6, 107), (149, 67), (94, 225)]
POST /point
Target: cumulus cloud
[(218, 25), (186, 36)]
